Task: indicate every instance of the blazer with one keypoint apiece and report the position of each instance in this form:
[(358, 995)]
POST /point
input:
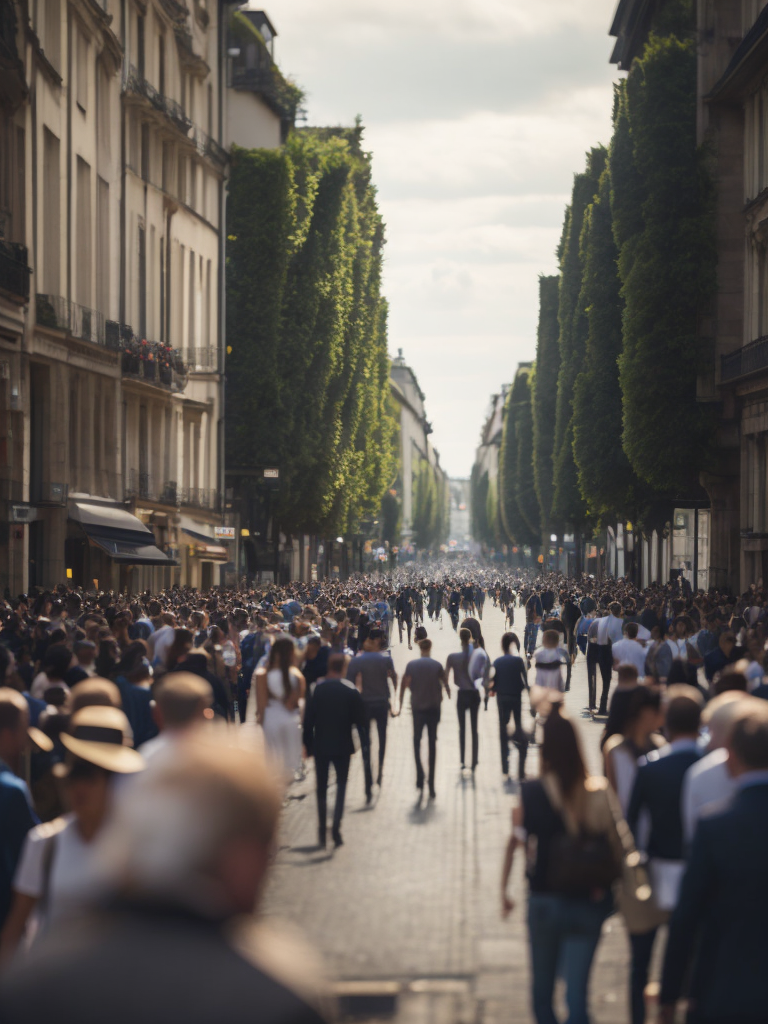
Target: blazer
[(720, 917), (658, 788), (333, 709)]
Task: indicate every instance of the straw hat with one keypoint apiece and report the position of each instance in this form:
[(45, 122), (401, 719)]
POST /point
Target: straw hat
[(100, 735)]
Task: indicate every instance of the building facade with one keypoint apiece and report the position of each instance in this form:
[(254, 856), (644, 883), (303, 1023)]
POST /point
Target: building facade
[(113, 380)]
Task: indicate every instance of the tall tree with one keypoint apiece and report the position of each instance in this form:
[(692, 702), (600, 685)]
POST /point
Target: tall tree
[(568, 506), (544, 398), (518, 504)]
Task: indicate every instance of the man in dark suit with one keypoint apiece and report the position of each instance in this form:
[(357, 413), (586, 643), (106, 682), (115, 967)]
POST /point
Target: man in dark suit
[(334, 708), (657, 792), (719, 922)]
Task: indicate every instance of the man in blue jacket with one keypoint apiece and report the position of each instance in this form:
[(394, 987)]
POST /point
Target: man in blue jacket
[(720, 919)]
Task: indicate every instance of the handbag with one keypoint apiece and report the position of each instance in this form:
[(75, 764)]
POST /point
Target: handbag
[(581, 863), (634, 892)]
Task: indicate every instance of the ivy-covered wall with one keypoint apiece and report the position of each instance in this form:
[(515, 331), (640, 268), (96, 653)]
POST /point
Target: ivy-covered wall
[(308, 371)]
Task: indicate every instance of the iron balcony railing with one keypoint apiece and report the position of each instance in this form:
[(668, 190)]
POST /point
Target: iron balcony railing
[(144, 487), (208, 147), (14, 270), (266, 83), (137, 84), (202, 360), (78, 321), (154, 362), (750, 359)]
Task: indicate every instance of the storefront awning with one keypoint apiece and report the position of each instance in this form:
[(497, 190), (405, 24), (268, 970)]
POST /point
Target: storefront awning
[(121, 535), (197, 531)]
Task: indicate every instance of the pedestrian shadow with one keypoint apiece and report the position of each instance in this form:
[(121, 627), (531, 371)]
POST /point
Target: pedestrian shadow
[(422, 812)]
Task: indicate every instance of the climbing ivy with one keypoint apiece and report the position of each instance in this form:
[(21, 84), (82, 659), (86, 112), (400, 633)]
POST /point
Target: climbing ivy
[(308, 375)]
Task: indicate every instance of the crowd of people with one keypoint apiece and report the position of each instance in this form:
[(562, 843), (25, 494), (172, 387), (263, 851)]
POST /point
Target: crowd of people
[(134, 807)]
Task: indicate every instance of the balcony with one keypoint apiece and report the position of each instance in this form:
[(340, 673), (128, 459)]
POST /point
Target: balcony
[(144, 487), (139, 86), (280, 95), (14, 271), (208, 147), (743, 363), (78, 321), (153, 362), (202, 360)]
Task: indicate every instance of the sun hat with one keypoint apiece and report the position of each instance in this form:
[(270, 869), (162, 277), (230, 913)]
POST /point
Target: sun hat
[(100, 735)]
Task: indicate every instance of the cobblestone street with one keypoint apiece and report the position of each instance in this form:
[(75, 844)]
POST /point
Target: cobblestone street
[(412, 896)]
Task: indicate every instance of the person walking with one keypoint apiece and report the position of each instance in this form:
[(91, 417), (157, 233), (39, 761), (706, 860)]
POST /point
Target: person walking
[(566, 906), (371, 672), (280, 688), (508, 682), (468, 697), (609, 632), (334, 709), (533, 615), (425, 678)]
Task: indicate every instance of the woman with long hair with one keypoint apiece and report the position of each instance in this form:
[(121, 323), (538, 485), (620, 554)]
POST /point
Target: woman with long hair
[(279, 689), (565, 822), (468, 697)]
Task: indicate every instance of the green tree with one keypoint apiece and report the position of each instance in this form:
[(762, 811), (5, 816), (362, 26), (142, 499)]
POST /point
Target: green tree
[(544, 398), (667, 269), (518, 503), (478, 493), (568, 506)]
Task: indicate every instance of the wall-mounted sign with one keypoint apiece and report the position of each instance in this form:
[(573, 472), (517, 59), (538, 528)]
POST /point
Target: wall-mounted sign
[(224, 532), (271, 474)]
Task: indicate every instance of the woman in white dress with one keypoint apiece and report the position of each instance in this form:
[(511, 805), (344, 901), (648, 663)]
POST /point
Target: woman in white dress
[(280, 688)]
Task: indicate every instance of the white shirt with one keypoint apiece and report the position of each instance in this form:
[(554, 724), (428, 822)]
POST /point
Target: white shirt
[(159, 643), (630, 652), (707, 789), (72, 882), (679, 648), (610, 627)]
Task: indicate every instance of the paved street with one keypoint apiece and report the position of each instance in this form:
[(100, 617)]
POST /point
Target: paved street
[(412, 896)]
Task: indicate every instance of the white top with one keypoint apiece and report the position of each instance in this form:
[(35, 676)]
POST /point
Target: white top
[(707, 789), (41, 683), (625, 771), (549, 678), (630, 652), (611, 627), (477, 666), (275, 683), (159, 642), (679, 648), (72, 883)]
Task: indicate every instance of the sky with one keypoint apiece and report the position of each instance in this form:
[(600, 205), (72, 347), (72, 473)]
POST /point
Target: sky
[(477, 113)]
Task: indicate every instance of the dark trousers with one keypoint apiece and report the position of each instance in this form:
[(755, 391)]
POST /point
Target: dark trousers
[(468, 701), (428, 719), (511, 707), (376, 711), (605, 661), (530, 635), (642, 951), (592, 660), (323, 763)]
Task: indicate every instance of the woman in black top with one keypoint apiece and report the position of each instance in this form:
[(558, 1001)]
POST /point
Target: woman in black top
[(564, 922), (508, 682)]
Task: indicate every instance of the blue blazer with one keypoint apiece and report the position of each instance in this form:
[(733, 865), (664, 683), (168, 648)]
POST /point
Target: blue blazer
[(658, 788), (720, 919)]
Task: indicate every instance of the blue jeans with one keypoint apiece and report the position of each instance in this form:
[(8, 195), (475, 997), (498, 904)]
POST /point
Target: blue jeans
[(564, 934), (530, 637)]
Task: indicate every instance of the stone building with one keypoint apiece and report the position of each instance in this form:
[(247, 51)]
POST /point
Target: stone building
[(113, 379)]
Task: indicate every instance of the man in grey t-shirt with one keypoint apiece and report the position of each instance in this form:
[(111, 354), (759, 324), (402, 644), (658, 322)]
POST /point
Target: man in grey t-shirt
[(425, 677), (371, 672)]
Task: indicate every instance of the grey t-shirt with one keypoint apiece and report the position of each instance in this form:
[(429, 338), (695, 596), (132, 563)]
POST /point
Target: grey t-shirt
[(426, 675), (374, 668), (459, 662)]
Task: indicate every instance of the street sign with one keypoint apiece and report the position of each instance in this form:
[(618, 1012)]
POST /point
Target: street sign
[(271, 474), (224, 532)]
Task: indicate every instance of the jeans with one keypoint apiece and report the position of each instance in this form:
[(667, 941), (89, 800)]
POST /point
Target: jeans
[(642, 951), (511, 707), (428, 719), (376, 711), (564, 934), (468, 701), (322, 765), (592, 659), (530, 636)]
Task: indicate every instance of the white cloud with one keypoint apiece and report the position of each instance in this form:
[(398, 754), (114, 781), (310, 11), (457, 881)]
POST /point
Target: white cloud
[(478, 113)]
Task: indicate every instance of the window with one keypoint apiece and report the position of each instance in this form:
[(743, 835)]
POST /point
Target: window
[(168, 182), (183, 91), (51, 213), (193, 184), (192, 297), (161, 65), (181, 184), (142, 282), (49, 30), (82, 47), (207, 321), (140, 45), (11, 179), (83, 234), (102, 247), (73, 453), (103, 119), (162, 290), (97, 440), (145, 152), (210, 110)]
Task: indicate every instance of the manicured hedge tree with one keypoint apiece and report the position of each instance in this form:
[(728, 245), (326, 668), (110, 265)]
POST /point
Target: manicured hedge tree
[(518, 504), (667, 267), (308, 376), (544, 398), (606, 481), (429, 506), (478, 498), (568, 506)]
